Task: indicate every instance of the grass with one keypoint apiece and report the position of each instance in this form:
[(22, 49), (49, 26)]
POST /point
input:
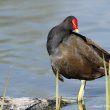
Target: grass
[(4, 94), (109, 86), (81, 105), (58, 99), (107, 76)]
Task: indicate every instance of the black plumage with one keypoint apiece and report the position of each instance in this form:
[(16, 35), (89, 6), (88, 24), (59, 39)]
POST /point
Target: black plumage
[(74, 55)]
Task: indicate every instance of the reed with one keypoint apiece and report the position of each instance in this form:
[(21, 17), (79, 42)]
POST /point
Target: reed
[(82, 105), (108, 100), (4, 94), (58, 99), (107, 76)]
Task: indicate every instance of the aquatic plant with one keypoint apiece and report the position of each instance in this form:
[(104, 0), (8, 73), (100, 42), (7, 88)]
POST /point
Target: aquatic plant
[(58, 99), (4, 94), (107, 76)]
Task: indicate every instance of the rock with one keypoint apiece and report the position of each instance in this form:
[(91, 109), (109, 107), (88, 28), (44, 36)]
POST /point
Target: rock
[(26, 103)]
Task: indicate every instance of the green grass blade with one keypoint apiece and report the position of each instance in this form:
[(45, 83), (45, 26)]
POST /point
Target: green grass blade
[(4, 94), (57, 91), (107, 84), (108, 100), (58, 99)]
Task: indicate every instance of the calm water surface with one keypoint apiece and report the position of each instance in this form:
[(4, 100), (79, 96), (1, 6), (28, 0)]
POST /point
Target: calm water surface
[(24, 26)]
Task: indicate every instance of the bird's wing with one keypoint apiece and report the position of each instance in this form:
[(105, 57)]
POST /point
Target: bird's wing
[(60, 77), (96, 47)]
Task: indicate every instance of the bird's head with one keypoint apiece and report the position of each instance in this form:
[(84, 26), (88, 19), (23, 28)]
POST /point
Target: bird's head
[(71, 23)]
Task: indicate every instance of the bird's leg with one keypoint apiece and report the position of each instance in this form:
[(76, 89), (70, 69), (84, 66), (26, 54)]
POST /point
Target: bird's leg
[(81, 91)]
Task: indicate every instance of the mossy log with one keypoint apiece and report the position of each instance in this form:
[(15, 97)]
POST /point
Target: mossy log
[(26, 103)]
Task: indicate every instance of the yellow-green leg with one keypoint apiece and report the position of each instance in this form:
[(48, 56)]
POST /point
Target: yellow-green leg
[(80, 96)]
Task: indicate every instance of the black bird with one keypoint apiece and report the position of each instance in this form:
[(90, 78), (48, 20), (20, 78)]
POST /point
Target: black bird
[(74, 55)]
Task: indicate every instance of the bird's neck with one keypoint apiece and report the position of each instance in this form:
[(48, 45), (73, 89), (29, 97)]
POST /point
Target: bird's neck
[(55, 37)]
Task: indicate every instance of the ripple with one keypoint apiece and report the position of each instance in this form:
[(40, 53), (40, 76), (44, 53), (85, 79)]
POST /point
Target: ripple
[(24, 26)]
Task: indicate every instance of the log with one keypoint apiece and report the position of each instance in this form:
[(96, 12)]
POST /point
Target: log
[(27, 103)]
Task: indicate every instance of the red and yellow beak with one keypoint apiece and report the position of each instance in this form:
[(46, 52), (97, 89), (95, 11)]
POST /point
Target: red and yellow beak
[(75, 25)]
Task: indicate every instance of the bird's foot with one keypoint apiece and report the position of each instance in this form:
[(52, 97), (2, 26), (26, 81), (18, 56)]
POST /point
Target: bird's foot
[(66, 100)]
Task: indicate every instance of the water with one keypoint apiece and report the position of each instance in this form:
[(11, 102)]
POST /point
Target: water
[(24, 26)]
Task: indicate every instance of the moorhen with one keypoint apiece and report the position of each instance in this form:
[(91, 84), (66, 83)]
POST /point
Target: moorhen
[(73, 55)]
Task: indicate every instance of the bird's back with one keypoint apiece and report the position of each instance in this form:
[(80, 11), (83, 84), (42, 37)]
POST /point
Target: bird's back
[(77, 59)]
